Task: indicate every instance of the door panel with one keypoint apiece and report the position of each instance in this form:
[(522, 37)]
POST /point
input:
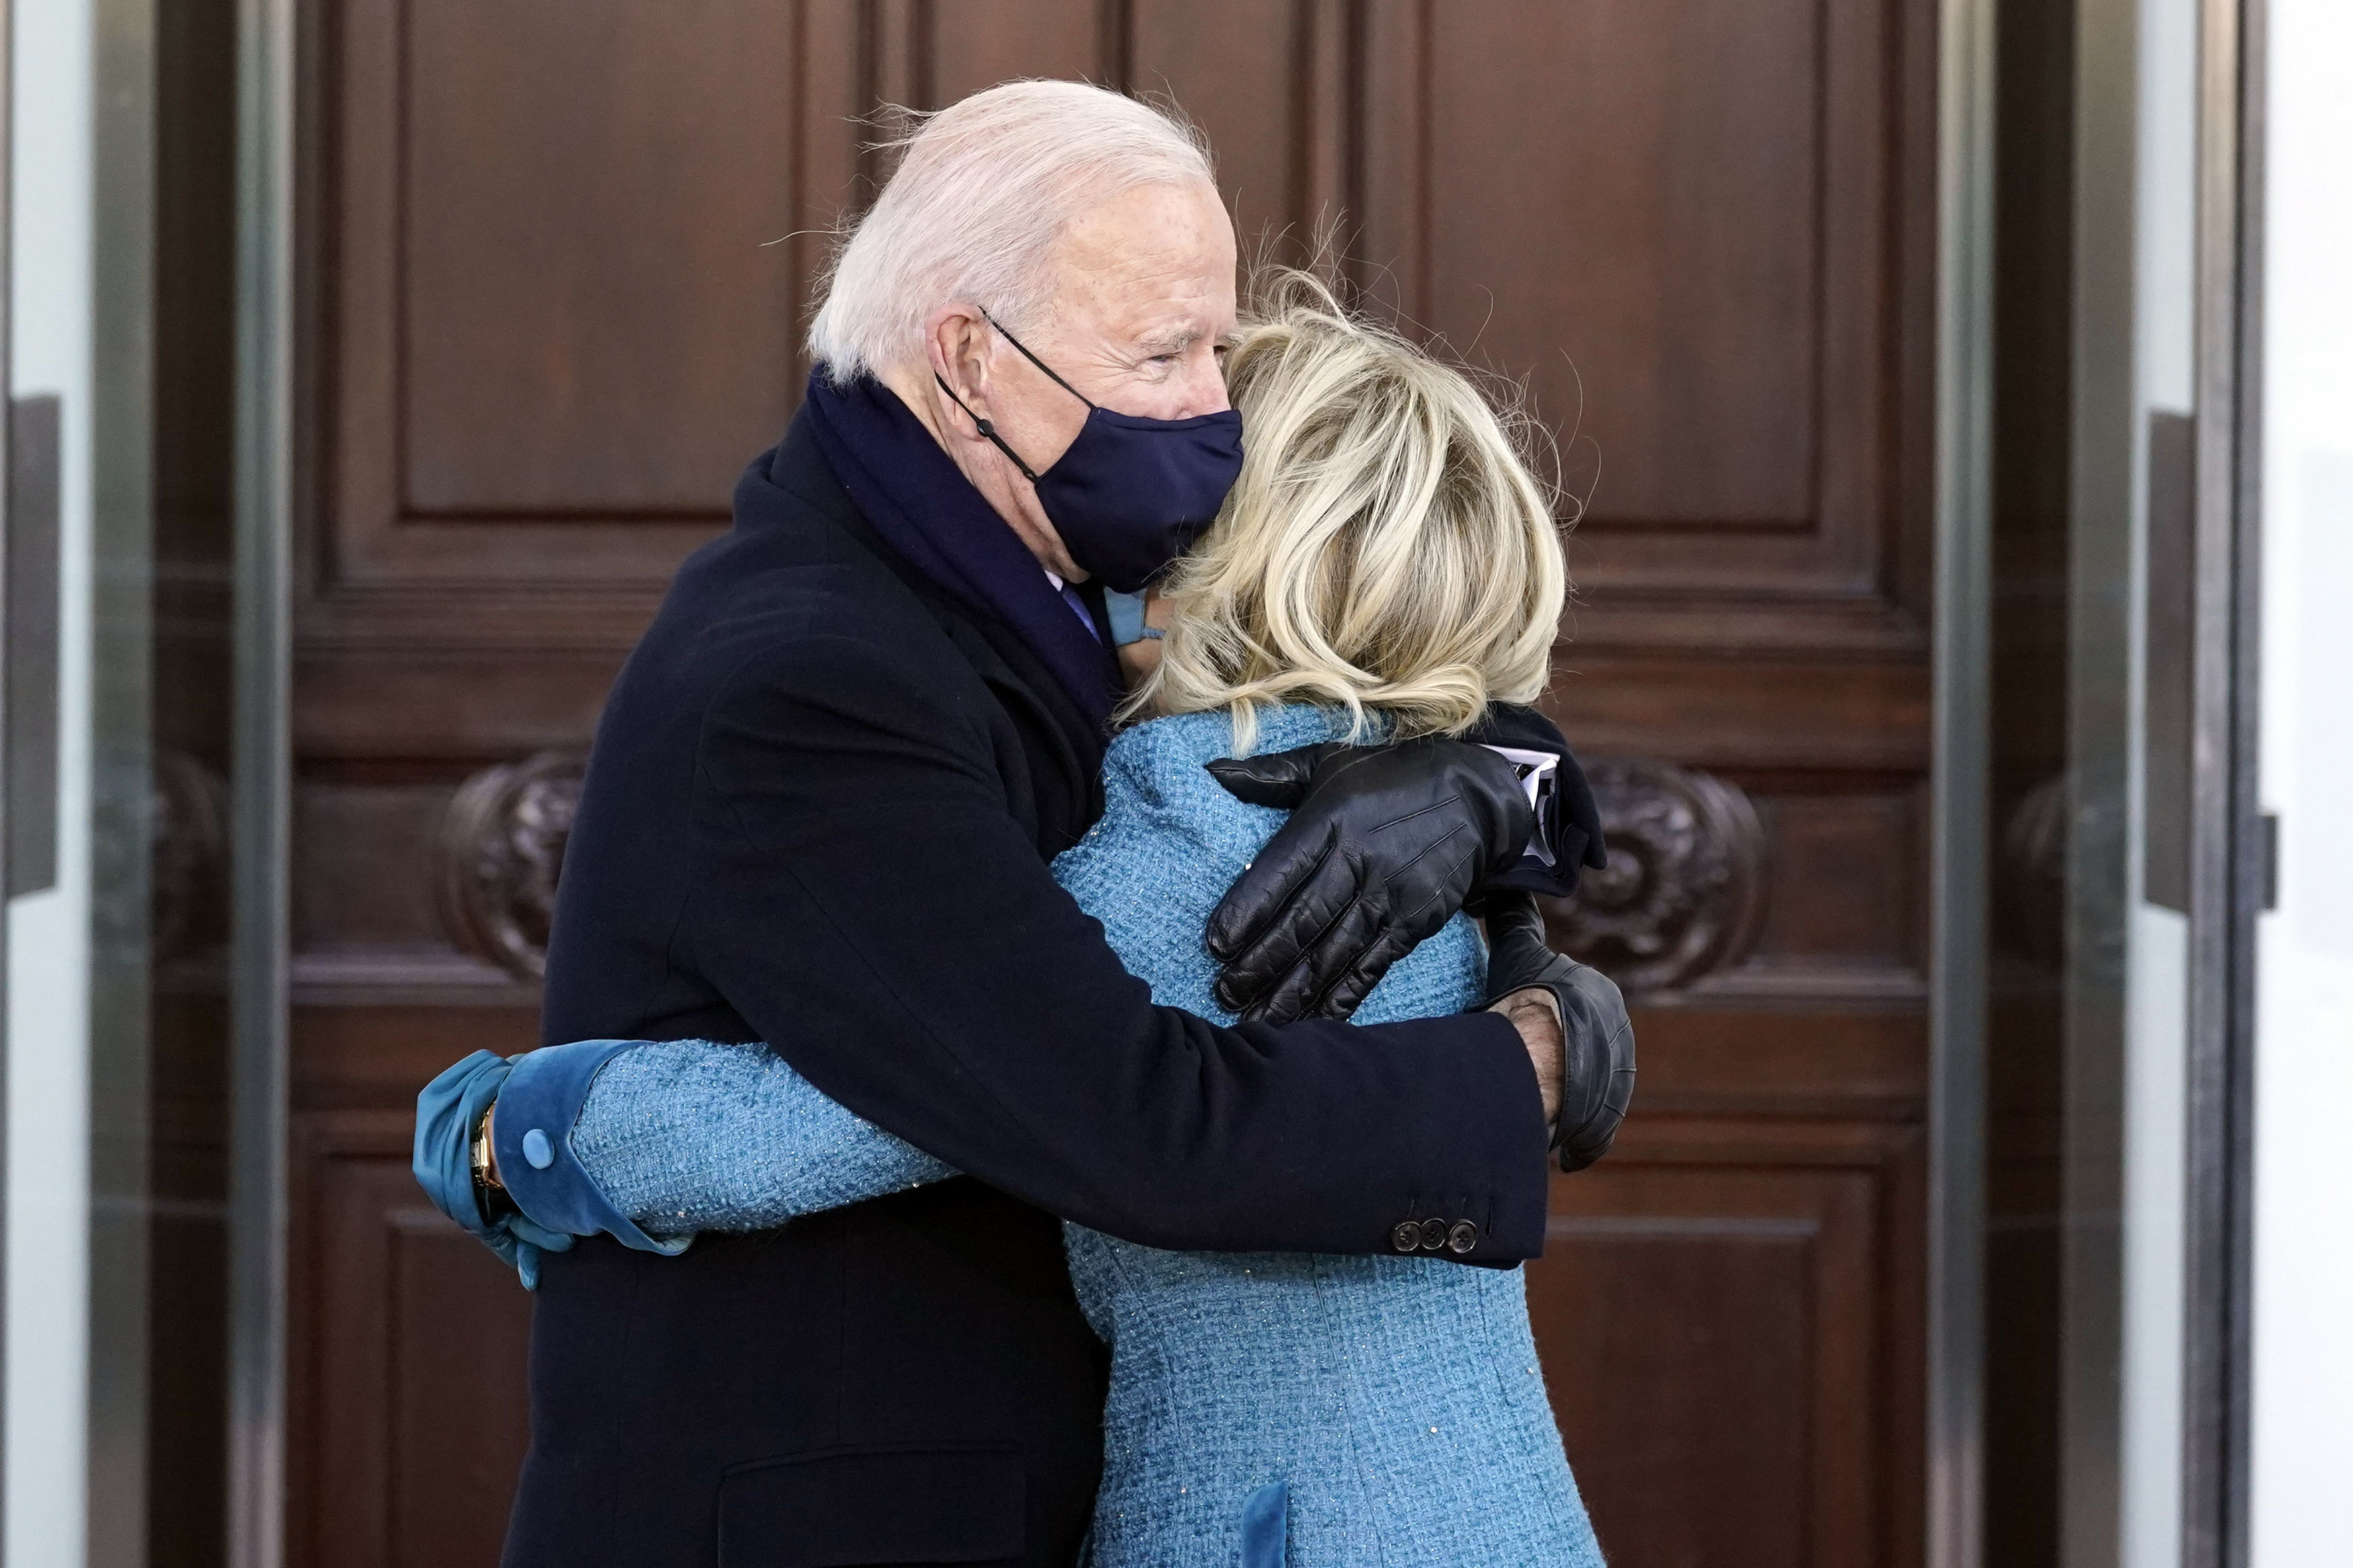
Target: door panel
[(597, 213), (1697, 309), (1682, 224), (545, 325), (416, 1338), (1711, 1304), (558, 331)]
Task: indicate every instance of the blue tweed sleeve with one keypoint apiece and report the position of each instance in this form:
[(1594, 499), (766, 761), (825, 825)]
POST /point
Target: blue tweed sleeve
[(692, 1135)]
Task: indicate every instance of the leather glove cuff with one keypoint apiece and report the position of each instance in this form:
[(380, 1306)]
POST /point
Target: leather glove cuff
[(1597, 1035), (1597, 1064)]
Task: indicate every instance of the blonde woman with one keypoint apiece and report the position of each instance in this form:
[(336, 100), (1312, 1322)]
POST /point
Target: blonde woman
[(1385, 565)]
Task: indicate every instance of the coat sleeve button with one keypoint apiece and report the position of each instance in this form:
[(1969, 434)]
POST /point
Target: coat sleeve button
[(1433, 1233), (1462, 1237), (1406, 1236), (538, 1150)]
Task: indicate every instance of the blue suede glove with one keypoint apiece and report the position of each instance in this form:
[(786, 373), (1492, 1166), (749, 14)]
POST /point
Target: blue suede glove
[(446, 1111)]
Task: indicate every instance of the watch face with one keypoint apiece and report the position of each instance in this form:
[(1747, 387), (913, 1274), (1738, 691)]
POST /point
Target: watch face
[(481, 1152)]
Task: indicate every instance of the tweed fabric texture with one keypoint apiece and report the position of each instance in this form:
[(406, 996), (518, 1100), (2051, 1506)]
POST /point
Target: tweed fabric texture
[(1399, 1398), (689, 1135)]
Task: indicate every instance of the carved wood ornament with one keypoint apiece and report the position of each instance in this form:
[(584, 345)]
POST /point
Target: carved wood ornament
[(503, 848), (1681, 897), (1684, 893)]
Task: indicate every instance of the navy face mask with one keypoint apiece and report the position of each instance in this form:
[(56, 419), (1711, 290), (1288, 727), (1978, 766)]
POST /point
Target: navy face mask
[(1132, 494)]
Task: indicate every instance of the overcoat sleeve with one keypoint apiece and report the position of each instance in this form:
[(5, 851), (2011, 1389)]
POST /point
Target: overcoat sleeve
[(865, 898)]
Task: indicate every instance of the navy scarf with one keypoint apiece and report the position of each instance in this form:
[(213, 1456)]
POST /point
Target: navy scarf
[(923, 505)]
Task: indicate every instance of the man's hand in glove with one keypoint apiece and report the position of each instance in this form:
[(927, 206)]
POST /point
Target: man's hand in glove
[(1383, 845), (1597, 1037)]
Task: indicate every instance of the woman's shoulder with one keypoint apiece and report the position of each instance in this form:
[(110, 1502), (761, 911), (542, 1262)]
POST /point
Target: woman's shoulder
[(1167, 825), (1171, 841), (1188, 741)]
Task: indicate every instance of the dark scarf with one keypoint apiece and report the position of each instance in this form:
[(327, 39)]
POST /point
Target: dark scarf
[(923, 505)]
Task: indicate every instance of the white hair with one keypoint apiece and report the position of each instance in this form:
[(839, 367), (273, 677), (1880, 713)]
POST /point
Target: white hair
[(983, 189)]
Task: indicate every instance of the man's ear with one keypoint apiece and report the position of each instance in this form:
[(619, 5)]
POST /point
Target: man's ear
[(956, 339)]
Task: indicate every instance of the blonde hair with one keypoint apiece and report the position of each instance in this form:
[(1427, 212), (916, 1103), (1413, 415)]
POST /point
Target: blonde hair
[(1385, 551), (983, 189)]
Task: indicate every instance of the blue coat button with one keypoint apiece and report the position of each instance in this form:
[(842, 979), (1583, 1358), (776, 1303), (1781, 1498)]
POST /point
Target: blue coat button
[(538, 1150), (1433, 1234)]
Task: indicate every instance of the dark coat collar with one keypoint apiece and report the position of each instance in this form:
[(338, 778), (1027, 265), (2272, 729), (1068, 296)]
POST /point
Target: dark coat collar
[(1019, 679)]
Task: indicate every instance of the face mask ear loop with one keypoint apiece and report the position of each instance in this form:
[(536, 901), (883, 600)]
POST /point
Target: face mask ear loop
[(987, 431), (1033, 359)]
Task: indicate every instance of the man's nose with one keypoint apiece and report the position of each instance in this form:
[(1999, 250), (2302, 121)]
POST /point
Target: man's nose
[(1204, 390)]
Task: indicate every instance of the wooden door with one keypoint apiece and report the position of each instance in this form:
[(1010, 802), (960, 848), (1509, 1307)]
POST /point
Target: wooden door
[(554, 257)]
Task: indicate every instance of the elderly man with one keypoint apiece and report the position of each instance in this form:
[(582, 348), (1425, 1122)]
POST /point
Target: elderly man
[(819, 813)]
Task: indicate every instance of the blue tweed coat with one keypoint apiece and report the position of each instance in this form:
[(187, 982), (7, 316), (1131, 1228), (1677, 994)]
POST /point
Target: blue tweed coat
[(1266, 1410)]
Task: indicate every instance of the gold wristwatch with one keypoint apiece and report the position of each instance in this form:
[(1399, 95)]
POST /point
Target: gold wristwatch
[(490, 1193)]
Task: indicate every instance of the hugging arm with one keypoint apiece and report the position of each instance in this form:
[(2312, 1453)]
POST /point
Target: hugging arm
[(868, 903), (647, 1142), (1384, 845), (689, 1135)]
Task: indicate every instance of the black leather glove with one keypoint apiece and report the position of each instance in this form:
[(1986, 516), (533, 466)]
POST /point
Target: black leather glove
[(1597, 1037), (1383, 845)]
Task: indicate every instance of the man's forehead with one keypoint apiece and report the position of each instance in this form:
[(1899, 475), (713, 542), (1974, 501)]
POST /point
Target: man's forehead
[(1153, 262)]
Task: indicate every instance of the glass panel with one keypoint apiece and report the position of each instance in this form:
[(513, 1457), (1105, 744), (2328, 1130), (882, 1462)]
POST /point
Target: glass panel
[(2090, 836), (187, 916), (2027, 966), (163, 313)]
